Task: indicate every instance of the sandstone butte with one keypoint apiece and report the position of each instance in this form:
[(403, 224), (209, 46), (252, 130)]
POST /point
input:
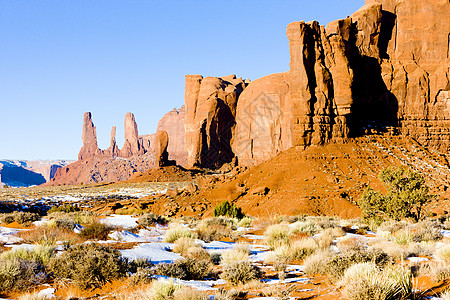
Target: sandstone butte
[(385, 68)]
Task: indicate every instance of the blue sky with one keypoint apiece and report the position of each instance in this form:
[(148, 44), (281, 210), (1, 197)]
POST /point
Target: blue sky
[(59, 59)]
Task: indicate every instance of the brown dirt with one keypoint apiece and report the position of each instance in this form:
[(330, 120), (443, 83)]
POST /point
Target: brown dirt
[(166, 174), (326, 180)]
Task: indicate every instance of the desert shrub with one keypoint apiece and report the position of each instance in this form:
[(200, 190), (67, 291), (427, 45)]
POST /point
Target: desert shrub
[(164, 289), (65, 223), (303, 248), (77, 217), (308, 227), (89, 265), (443, 253), (229, 210), (350, 243), (240, 272), (22, 218), (40, 254), (198, 253), (140, 263), (438, 271), (315, 263), (47, 235), (141, 276), (95, 231), (18, 275), (65, 208), (406, 197), (189, 294), (392, 226), (277, 235), (34, 296), (339, 263), (152, 219), (177, 231), (186, 268), (216, 228), (240, 252), (183, 244), (279, 257), (245, 222), (426, 231), (366, 281)]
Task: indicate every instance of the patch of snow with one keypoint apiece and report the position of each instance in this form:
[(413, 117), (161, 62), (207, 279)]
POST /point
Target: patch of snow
[(446, 233), (156, 252), (253, 236), (77, 228), (48, 293), (8, 235), (201, 285), (215, 246), (417, 259), (124, 221), (28, 247)]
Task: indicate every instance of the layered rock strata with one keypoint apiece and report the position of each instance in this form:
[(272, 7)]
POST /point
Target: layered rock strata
[(210, 118), (386, 65)]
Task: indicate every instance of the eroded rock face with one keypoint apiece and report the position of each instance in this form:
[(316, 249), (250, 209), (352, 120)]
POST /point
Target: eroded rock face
[(133, 144), (415, 67), (161, 144), (89, 137), (173, 124), (386, 65), (210, 118)]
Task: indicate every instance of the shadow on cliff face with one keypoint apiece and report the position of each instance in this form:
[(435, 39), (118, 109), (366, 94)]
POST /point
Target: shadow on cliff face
[(216, 147), (374, 106), (18, 176)]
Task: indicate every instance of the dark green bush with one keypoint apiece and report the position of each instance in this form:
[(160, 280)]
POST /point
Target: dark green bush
[(89, 265), (96, 231), (67, 208), (240, 272), (407, 196), (186, 268), (229, 210)]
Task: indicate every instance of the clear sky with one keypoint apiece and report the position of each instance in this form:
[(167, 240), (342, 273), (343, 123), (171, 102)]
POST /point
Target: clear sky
[(61, 58)]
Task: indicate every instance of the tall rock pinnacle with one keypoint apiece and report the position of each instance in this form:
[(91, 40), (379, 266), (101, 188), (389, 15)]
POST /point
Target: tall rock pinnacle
[(89, 137), (132, 145)]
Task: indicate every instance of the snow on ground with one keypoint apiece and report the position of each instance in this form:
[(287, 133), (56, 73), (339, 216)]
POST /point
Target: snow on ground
[(253, 237), (7, 235), (48, 293), (129, 237), (417, 259), (216, 247), (156, 252), (201, 285), (446, 233), (27, 247), (124, 221)]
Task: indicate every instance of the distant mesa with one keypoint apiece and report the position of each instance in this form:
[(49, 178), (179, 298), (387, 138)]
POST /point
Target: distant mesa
[(18, 173)]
